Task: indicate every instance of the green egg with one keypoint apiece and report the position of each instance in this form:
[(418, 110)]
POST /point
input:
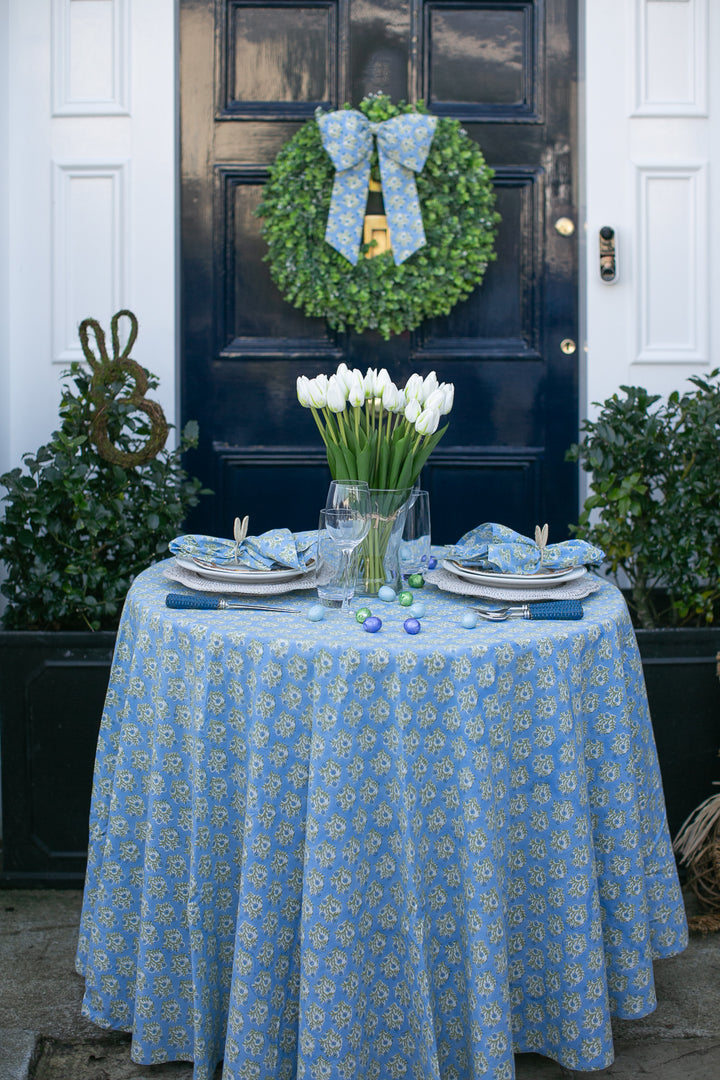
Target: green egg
[(416, 581), (362, 614), (405, 598)]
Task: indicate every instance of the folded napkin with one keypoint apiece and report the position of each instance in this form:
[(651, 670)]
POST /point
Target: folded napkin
[(272, 550), (496, 547)]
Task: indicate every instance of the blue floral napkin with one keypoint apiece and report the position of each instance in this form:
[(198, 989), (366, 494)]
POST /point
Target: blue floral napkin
[(496, 547), (273, 550)]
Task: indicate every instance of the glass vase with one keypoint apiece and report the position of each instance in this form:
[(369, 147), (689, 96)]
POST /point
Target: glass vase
[(378, 564)]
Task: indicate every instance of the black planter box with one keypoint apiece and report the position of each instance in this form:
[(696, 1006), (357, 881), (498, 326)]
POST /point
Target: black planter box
[(52, 691), (681, 674)]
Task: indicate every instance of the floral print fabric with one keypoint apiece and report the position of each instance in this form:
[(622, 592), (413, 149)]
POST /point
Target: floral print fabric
[(273, 549), (496, 547), (403, 144), (326, 854)]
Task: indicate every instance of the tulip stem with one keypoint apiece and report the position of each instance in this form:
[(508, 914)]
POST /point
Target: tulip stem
[(321, 429), (377, 450)]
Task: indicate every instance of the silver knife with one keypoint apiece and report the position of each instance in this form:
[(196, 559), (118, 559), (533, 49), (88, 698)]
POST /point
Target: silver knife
[(219, 603)]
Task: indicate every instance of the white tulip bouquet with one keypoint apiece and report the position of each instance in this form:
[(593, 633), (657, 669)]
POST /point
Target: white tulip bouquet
[(375, 432), (372, 430)]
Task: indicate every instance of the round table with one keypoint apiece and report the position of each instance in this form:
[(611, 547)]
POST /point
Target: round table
[(330, 854)]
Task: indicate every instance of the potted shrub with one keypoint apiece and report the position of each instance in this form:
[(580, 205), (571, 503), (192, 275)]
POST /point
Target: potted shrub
[(77, 528), (654, 509)]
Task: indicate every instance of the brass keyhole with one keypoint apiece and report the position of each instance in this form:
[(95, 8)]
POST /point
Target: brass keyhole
[(568, 346)]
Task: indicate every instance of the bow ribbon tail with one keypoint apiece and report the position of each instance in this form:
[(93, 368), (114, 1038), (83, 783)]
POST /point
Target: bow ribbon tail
[(402, 207), (347, 209)]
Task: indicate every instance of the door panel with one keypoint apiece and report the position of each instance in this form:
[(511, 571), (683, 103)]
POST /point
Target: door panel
[(250, 74), (480, 60)]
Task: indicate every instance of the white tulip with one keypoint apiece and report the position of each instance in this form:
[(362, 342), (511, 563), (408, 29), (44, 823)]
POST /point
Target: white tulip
[(427, 422), (336, 395), (449, 392), (436, 400), (413, 409), (370, 378), (317, 389), (413, 387), (381, 381), (344, 375), (430, 384), (356, 389), (393, 399), (303, 391)]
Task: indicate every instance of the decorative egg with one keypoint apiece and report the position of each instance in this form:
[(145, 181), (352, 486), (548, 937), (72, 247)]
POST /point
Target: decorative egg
[(405, 598), (469, 620), (316, 613), (418, 609), (372, 624), (416, 581), (412, 626), (386, 593), (362, 614), (432, 562)]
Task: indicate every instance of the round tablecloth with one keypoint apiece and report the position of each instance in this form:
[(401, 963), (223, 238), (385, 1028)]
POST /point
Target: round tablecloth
[(324, 853)]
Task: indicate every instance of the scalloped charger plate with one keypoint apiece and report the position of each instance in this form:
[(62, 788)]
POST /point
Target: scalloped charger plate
[(246, 574), (547, 580)]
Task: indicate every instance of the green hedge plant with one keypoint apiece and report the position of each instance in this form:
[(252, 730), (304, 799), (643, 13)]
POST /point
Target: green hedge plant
[(653, 505), (77, 529)]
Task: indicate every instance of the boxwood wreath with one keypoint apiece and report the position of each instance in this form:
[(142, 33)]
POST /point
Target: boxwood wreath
[(457, 200)]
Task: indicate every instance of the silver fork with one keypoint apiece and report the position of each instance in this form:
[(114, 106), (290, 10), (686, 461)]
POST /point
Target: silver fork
[(498, 614)]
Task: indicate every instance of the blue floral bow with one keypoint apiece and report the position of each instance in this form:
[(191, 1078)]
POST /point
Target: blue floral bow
[(403, 144)]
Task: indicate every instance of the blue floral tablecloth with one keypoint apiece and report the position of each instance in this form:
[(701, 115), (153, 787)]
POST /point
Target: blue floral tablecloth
[(321, 853)]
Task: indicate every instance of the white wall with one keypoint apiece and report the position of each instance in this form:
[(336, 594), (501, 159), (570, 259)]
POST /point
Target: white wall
[(4, 229), (91, 110), (652, 172)]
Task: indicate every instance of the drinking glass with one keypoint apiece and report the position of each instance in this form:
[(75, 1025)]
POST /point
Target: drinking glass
[(414, 550), (348, 493), (347, 520), (332, 582)]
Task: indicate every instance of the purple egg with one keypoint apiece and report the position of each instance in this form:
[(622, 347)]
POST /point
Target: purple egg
[(412, 626), (372, 624)]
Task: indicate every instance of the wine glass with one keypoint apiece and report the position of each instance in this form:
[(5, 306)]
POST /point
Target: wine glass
[(347, 520), (414, 550)]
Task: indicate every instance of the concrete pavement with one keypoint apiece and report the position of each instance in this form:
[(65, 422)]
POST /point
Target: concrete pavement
[(44, 1037)]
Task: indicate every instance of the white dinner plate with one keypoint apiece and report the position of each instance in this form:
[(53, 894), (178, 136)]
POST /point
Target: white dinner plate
[(243, 574), (546, 580)]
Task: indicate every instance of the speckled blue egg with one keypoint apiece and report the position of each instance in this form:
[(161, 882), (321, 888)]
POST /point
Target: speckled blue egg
[(362, 614), (469, 620), (418, 609), (386, 593), (412, 626), (372, 624), (316, 613)]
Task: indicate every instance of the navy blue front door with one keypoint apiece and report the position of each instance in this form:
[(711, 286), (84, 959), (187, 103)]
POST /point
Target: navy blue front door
[(251, 72)]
